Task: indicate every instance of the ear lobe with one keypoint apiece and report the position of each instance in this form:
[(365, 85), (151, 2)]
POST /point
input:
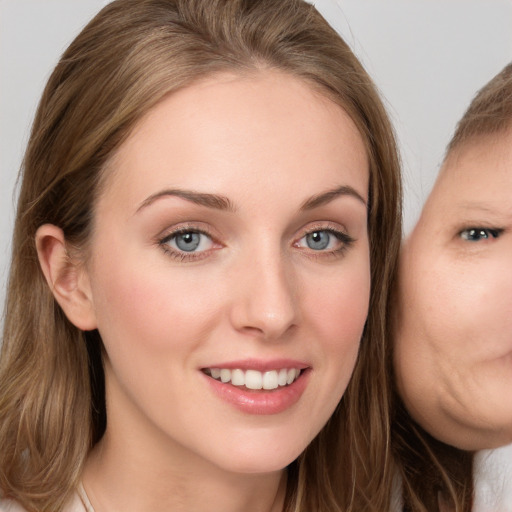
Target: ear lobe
[(66, 278)]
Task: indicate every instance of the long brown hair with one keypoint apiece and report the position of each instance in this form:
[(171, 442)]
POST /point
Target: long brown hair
[(433, 472), (132, 54), (435, 477)]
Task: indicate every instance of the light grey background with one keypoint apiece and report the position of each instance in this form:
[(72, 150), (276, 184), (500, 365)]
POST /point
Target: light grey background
[(428, 58)]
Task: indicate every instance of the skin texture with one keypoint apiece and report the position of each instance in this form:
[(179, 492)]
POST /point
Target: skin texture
[(253, 291), (453, 352)]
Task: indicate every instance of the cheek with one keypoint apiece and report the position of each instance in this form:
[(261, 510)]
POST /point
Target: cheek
[(337, 308), (472, 315), (151, 308), (456, 313)]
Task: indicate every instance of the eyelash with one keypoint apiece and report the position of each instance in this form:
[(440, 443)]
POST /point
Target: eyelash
[(466, 233), (184, 256)]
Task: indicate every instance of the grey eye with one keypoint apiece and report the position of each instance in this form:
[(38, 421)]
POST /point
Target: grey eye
[(187, 244), (318, 240), (188, 241)]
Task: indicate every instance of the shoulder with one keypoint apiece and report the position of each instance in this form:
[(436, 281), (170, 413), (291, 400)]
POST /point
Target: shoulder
[(76, 504), (10, 506)]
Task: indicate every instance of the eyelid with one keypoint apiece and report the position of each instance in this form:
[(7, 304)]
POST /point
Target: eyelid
[(329, 226), (185, 227)]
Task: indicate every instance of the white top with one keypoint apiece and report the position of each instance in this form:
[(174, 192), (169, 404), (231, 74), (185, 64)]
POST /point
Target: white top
[(493, 480), (78, 503)]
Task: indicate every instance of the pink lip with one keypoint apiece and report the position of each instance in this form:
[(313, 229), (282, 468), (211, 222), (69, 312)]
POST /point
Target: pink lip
[(260, 402), (259, 365)]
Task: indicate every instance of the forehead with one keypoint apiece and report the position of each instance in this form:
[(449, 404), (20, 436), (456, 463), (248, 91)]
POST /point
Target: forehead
[(476, 175), (479, 158), (259, 123)]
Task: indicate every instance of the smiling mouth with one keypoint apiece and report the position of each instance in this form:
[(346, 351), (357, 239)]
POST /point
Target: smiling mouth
[(254, 379)]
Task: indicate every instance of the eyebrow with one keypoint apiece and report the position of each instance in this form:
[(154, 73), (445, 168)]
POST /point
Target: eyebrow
[(495, 213), (482, 207), (214, 201), (222, 203), (330, 195)]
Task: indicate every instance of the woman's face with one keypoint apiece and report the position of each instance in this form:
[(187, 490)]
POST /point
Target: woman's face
[(229, 272), (454, 338)]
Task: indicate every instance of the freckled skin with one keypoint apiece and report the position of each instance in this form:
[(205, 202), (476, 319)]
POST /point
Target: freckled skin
[(268, 143), (453, 352)]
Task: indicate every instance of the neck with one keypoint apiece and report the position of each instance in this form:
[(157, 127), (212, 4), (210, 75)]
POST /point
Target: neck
[(118, 480)]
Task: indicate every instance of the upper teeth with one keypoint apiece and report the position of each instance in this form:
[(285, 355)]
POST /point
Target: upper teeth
[(253, 379)]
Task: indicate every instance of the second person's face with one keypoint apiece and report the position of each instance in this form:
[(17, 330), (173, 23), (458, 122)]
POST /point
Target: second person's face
[(453, 350)]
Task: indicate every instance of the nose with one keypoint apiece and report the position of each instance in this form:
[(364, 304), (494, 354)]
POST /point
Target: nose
[(266, 302)]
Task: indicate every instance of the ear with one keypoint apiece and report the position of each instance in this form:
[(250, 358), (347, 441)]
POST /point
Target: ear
[(67, 279)]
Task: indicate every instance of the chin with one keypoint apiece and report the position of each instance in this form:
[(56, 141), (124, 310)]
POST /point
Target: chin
[(485, 435), (260, 462)]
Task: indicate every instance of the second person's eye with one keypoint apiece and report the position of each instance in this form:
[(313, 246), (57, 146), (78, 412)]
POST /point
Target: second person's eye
[(477, 234)]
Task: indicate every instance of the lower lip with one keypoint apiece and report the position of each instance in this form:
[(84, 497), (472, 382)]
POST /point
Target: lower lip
[(261, 401)]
